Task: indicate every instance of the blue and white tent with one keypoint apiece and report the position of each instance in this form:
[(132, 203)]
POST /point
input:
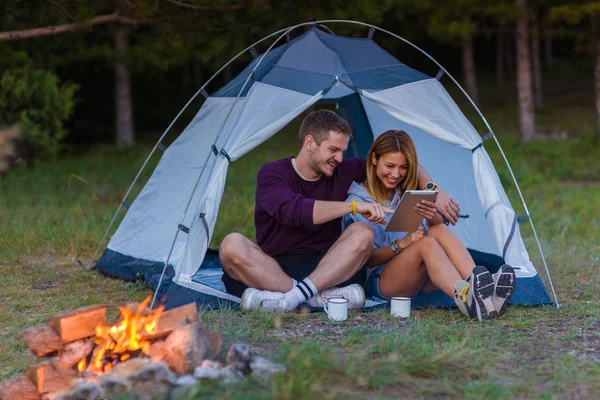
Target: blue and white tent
[(165, 234)]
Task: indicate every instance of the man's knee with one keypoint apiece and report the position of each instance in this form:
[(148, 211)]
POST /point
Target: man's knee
[(233, 249), (362, 236)]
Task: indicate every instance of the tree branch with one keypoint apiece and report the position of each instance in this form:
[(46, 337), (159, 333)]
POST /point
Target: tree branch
[(57, 4), (57, 29), (193, 7)]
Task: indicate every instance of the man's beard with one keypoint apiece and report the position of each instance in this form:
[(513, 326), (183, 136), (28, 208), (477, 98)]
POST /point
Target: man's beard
[(316, 164)]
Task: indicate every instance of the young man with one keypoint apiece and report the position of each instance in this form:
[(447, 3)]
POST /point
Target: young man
[(300, 254)]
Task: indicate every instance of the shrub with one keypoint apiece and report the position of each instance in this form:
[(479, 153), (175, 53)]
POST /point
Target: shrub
[(36, 100)]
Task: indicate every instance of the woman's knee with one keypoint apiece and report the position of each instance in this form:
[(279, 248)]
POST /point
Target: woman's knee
[(428, 243), (438, 230)]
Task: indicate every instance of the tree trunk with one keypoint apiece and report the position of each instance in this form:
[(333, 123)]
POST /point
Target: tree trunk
[(228, 74), (536, 59), (469, 67), (509, 52), (500, 79), (548, 50), (597, 90), (524, 91), (198, 75), (124, 108)]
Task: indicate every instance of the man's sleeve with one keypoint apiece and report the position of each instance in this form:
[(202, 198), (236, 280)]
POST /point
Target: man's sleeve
[(278, 199)]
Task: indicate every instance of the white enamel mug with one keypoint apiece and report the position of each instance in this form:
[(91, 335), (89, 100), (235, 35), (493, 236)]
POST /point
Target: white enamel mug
[(400, 307), (336, 308)]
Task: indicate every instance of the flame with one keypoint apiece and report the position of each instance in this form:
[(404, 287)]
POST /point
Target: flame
[(116, 343)]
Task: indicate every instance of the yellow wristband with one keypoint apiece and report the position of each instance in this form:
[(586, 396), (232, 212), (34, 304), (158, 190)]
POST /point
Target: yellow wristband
[(353, 207)]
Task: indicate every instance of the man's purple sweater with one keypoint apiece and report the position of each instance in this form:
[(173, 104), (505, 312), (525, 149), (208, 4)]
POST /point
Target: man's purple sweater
[(283, 215)]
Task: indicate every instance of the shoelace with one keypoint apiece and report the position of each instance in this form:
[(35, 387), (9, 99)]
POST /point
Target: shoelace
[(463, 293)]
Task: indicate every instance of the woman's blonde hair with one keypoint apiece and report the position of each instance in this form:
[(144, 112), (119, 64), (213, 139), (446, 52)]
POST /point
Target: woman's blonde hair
[(391, 141)]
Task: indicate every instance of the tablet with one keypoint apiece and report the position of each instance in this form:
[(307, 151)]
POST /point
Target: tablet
[(406, 218)]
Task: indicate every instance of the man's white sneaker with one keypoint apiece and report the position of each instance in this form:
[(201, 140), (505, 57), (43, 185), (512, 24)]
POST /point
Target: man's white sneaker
[(254, 299), (354, 293), (505, 281)]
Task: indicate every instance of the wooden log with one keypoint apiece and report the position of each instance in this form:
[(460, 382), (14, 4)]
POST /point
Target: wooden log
[(42, 340), (48, 379), (19, 387), (186, 347), (171, 319), (73, 352), (157, 351), (78, 324)]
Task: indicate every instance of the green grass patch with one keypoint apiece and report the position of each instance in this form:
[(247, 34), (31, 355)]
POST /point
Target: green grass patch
[(53, 214)]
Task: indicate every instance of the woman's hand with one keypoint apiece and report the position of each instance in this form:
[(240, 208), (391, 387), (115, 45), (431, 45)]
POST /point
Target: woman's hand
[(374, 212), (426, 209), (411, 238)]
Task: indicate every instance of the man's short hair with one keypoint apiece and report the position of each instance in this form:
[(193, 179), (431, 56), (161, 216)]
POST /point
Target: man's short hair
[(318, 124)]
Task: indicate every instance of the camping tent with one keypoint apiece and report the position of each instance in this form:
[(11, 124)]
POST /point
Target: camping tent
[(165, 234)]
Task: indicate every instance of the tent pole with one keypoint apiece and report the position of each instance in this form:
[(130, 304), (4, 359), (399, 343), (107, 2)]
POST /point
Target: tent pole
[(320, 24), (89, 267), (211, 153), (486, 124)]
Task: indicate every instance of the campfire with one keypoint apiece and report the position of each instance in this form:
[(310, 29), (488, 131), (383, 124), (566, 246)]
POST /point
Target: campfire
[(154, 352), (123, 340)]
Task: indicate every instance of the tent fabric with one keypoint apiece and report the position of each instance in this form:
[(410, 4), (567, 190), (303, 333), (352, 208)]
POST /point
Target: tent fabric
[(427, 106), (175, 214), (313, 60)]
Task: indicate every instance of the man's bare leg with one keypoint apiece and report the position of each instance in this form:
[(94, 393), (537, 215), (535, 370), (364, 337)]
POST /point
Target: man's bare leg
[(347, 255), (243, 260)]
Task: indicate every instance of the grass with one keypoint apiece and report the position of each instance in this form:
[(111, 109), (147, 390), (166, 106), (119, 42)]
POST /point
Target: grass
[(55, 213)]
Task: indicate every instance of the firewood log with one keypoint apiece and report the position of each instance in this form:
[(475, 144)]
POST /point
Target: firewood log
[(19, 387), (78, 324), (42, 340), (186, 347), (73, 352), (48, 379)]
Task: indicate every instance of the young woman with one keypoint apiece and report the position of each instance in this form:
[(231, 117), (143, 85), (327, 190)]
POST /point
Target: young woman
[(432, 257)]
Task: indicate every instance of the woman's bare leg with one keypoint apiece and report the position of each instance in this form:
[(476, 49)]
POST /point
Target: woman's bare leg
[(407, 272), (454, 249)]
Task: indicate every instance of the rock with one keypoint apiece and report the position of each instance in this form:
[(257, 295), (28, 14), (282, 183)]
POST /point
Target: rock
[(156, 371), (207, 373), (149, 390), (186, 347), (186, 380), (229, 374), (114, 387), (263, 369), (211, 364), (126, 368), (85, 390), (239, 355)]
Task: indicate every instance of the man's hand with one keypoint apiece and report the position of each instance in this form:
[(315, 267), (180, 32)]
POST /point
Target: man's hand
[(374, 212), (447, 207), (426, 209)]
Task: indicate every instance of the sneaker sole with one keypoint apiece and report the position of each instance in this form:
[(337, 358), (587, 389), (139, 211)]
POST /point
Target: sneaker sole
[(483, 290), (504, 288)]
